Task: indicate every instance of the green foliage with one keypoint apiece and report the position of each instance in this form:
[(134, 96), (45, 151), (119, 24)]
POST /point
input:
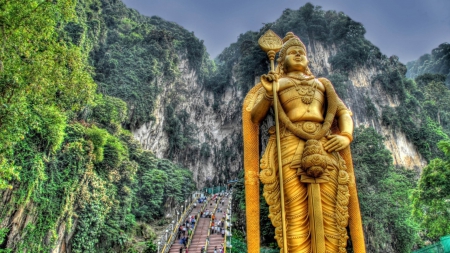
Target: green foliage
[(371, 110), (109, 112), (47, 187), (238, 204), (133, 54), (267, 230), (393, 78), (389, 118), (65, 157), (3, 234), (152, 190), (88, 229), (438, 62), (239, 245), (383, 192), (244, 59), (311, 23), (151, 248), (75, 132), (427, 78), (114, 153), (158, 182), (421, 114), (340, 83), (98, 137), (51, 128), (8, 173), (178, 129), (41, 75), (205, 151), (437, 102), (269, 250), (431, 205), (97, 200)]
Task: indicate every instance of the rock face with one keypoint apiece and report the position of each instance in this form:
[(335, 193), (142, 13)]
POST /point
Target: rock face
[(24, 216), (214, 129), (362, 91), (219, 129)]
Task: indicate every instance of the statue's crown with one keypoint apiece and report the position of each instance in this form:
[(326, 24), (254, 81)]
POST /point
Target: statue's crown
[(288, 36), (288, 41)]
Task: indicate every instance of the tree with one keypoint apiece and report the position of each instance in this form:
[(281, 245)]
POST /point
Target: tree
[(432, 197), (151, 193), (383, 192), (438, 95), (42, 75)]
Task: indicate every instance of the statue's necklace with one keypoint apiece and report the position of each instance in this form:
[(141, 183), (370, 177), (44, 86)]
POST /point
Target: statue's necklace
[(307, 91)]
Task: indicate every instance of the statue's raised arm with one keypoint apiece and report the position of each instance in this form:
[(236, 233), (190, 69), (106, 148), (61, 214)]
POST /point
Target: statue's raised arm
[(312, 199)]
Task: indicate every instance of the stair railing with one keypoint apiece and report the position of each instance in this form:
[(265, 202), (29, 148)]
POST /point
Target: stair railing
[(195, 226), (170, 240), (209, 226)]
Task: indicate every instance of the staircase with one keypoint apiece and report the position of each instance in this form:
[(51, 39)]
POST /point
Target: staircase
[(196, 213), (216, 239), (202, 229)]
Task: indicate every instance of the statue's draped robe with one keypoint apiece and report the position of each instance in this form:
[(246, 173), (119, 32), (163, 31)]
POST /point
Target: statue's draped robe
[(339, 202)]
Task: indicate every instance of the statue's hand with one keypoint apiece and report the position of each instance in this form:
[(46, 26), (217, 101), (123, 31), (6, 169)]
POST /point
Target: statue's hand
[(336, 143), (266, 81)]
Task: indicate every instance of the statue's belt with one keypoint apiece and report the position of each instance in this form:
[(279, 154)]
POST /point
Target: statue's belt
[(295, 162), (307, 126)]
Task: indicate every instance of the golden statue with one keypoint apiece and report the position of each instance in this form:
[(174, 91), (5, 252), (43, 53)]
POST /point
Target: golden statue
[(312, 199)]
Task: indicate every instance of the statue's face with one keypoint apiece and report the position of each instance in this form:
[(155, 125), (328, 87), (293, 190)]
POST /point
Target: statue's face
[(295, 59)]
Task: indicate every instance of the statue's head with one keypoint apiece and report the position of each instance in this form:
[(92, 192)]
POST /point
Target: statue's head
[(293, 55)]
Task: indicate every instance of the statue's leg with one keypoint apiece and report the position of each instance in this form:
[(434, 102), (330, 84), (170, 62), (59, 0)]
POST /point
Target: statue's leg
[(334, 196), (296, 201), (328, 197)]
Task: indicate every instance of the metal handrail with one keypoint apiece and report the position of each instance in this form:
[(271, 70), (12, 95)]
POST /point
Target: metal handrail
[(195, 226), (171, 239), (209, 227), (226, 225)]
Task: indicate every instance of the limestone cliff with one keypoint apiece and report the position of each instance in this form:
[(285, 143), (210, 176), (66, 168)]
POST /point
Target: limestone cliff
[(365, 92), (215, 131)]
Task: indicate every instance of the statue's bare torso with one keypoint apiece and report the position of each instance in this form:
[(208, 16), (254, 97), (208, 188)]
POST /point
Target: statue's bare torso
[(291, 91)]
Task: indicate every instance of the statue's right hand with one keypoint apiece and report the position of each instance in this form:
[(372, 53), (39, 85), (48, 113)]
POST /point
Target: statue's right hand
[(266, 81)]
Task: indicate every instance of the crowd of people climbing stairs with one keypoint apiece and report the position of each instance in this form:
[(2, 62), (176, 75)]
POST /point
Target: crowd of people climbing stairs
[(185, 230), (212, 210)]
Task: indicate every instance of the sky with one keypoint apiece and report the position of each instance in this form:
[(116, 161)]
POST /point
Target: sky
[(406, 28)]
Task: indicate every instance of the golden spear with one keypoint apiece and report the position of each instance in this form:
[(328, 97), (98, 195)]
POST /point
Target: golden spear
[(271, 44)]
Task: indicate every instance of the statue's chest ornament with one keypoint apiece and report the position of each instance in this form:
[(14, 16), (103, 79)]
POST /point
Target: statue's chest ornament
[(306, 90)]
